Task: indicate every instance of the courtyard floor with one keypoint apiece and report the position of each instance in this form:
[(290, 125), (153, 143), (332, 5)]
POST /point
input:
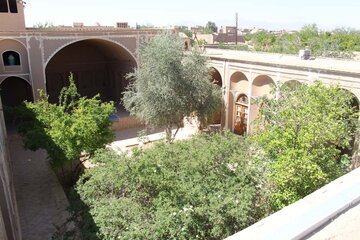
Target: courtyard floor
[(41, 200)]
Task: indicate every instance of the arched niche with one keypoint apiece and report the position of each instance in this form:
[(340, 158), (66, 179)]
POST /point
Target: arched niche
[(239, 82), (14, 91), (262, 85), (14, 57), (216, 76)]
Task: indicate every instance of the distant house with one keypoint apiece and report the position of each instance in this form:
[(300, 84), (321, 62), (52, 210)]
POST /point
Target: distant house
[(205, 38), (227, 29)]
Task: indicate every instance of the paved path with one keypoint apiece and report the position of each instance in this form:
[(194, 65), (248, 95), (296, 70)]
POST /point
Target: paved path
[(41, 199)]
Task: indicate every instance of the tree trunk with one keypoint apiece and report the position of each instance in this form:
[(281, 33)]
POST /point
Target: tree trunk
[(168, 132)]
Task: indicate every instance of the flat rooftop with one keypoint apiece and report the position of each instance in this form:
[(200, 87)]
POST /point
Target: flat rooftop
[(332, 64)]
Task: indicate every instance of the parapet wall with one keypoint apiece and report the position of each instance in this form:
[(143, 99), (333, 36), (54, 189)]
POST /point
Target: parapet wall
[(309, 215), (9, 218)]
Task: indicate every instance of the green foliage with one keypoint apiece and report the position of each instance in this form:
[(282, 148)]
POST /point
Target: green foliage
[(338, 43), (210, 28), (309, 129), (65, 130), (208, 187), (44, 25), (185, 29), (170, 85)]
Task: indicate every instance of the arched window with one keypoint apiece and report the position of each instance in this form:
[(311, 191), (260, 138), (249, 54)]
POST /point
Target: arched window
[(11, 58)]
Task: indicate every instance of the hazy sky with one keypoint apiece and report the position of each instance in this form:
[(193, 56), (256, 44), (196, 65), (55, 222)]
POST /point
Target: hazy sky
[(270, 14)]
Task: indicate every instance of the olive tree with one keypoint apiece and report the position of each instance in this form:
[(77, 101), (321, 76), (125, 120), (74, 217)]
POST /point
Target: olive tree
[(170, 84)]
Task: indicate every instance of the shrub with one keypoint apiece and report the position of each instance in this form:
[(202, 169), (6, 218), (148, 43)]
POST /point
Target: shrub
[(208, 187)]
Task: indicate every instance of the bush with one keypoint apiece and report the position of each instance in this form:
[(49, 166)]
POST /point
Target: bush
[(208, 187)]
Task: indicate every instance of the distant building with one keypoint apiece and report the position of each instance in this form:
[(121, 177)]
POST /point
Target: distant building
[(228, 38), (227, 30), (122, 25), (204, 38)]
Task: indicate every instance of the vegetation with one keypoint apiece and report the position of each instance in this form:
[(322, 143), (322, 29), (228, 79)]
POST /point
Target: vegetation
[(210, 27), (43, 25), (170, 85), (309, 131), (65, 130), (338, 43), (205, 188), (185, 29), (212, 186)]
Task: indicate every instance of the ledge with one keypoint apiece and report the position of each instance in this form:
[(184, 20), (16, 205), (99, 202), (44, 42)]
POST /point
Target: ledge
[(307, 215)]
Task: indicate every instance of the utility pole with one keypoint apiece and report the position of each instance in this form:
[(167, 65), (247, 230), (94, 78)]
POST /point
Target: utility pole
[(236, 31)]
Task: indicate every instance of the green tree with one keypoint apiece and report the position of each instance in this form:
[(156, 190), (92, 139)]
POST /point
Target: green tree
[(208, 187), (65, 130), (170, 85), (44, 25), (210, 27), (308, 131), (185, 29)]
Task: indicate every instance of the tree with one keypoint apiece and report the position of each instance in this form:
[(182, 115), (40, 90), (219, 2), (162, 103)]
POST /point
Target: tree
[(170, 85), (308, 130), (211, 27), (43, 25), (66, 130), (185, 29), (208, 187)]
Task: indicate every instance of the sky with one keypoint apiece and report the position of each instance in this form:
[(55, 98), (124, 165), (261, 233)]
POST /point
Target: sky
[(269, 14)]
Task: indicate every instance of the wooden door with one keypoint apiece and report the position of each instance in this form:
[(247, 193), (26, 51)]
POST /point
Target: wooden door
[(241, 115)]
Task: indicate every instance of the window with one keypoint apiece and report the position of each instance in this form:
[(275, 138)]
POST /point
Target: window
[(3, 6), (11, 58), (13, 6)]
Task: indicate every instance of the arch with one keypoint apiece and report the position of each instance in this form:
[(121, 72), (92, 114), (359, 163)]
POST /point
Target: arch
[(15, 90), (11, 58), (218, 117), (12, 45), (216, 76), (241, 114), (291, 84), (354, 142), (262, 85), (355, 102), (239, 82), (98, 65), (15, 40), (85, 39)]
